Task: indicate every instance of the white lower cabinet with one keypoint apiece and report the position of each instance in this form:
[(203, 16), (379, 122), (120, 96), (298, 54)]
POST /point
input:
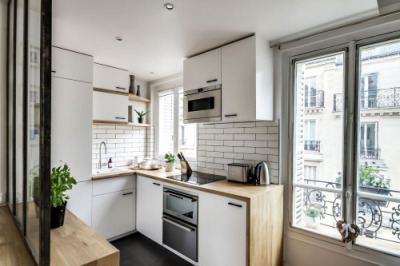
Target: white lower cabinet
[(114, 205), (80, 202), (222, 231), (149, 208)]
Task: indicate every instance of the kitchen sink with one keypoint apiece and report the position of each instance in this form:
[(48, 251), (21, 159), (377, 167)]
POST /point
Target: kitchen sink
[(109, 171)]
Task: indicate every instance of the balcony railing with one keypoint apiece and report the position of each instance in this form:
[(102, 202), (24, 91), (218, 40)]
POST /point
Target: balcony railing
[(369, 153), (377, 99), (312, 145), (315, 99), (377, 219)]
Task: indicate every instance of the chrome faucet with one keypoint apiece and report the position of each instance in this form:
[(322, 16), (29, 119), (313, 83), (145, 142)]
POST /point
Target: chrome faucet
[(105, 146)]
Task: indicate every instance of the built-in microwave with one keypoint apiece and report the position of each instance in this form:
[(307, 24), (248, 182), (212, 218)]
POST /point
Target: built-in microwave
[(203, 105)]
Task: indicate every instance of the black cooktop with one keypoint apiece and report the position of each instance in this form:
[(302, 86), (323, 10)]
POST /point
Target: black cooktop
[(197, 178)]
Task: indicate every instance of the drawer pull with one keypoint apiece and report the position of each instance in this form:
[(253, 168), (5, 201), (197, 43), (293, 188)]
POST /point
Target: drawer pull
[(231, 115), (53, 71), (157, 184), (120, 117), (128, 193), (212, 80), (120, 88), (234, 204)]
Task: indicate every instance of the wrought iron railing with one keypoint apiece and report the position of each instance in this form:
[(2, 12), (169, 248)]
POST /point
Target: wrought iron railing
[(312, 145), (369, 153), (376, 218), (375, 99), (314, 99)]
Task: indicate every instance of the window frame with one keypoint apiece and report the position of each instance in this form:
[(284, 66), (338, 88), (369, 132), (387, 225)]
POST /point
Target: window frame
[(312, 48), (176, 88)]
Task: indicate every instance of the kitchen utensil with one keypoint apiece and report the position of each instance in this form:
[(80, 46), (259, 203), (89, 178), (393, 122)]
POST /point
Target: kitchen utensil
[(238, 172), (261, 174)]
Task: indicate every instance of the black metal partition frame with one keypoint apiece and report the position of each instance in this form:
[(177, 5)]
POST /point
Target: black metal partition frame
[(44, 14)]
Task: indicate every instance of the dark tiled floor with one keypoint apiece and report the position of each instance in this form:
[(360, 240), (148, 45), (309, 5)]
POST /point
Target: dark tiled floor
[(138, 250)]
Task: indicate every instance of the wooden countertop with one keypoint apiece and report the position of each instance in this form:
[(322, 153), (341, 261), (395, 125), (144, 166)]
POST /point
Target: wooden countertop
[(75, 243), (223, 187)]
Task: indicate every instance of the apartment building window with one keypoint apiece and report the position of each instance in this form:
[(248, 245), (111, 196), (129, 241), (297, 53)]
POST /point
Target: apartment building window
[(310, 132), (172, 134), (375, 183), (369, 141), (369, 91), (310, 91)]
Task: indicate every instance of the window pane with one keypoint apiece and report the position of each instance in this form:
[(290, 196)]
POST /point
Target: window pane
[(166, 123), (187, 133), (318, 138), (379, 147)]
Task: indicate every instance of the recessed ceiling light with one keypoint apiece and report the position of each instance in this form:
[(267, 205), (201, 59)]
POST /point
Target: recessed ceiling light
[(119, 38), (169, 6)]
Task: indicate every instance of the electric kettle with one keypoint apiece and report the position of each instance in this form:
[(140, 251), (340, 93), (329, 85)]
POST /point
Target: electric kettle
[(261, 174)]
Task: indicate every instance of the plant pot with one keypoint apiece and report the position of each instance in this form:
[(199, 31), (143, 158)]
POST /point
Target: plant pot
[(57, 216), (375, 190), (170, 167), (311, 222), (140, 120)]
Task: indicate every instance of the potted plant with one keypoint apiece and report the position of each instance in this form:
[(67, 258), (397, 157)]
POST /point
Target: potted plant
[(60, 181), (141, 115), (312, 217), (372, 181), (35, 183), (170, 163)]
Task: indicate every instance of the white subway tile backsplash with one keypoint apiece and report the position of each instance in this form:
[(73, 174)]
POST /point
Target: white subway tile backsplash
[(245, 149), (256, 130), (224, 137), (223, 148), (215, 142), (233, 130), (244, 137), (246, 124), (258, 143), (231, 155), (233, 142)]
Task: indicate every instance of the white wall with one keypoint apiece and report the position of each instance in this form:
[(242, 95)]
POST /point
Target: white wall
[(3, 43)]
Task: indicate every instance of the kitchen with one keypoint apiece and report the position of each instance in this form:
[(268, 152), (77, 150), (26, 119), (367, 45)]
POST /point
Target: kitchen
[(184, 141)]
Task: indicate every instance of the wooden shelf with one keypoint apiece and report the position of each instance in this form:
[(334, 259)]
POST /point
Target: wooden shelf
[(108, 123), (111, 91), (133, 97)]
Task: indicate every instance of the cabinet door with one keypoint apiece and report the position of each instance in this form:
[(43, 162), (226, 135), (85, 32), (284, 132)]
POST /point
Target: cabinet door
[(71, 126), (71, 65), (149, 208), (114, 213), (222, 231), (239, 81), (202, 70), (80, 202), (110, 107), (111, 78)]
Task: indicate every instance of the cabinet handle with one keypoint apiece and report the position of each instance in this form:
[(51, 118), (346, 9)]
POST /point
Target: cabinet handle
[(53, 71), (128, 193), (234, 204), (212, 80), (175, 196), (157, 184), (120, 88), (231, 115), (120, 117)]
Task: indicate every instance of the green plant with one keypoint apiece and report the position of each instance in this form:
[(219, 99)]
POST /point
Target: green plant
[(313, 213), (141, 114), (369, 176), (170, 157), (60, 181), (34, 173)]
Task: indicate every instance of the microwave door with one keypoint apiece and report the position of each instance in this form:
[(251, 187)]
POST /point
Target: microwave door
[(203, 105)]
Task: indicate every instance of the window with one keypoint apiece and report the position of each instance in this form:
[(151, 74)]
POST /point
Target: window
[(372, 169), (310, 90), (172, 134), (310, 131), (368, 141)]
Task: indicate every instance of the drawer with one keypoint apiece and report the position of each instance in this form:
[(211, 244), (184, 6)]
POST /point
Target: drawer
[(113, 185)]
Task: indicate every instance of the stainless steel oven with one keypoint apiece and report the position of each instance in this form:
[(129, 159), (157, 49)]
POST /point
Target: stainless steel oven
[(180, 222), (202, 105)]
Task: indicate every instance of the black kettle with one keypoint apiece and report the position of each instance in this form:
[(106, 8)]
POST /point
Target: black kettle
[(261, 174)]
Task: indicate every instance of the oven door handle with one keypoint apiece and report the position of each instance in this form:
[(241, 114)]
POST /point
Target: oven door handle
[(182, 197), (178, 225)]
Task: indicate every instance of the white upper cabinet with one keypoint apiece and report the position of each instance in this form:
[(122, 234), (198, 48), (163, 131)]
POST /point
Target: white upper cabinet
[(110, 107), (149, 208), (71, 65), (247, 81), (202, 70), (110, 78), (222, 231)]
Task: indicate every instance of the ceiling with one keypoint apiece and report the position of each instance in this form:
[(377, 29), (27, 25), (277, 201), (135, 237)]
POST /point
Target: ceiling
[(157, 40)]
